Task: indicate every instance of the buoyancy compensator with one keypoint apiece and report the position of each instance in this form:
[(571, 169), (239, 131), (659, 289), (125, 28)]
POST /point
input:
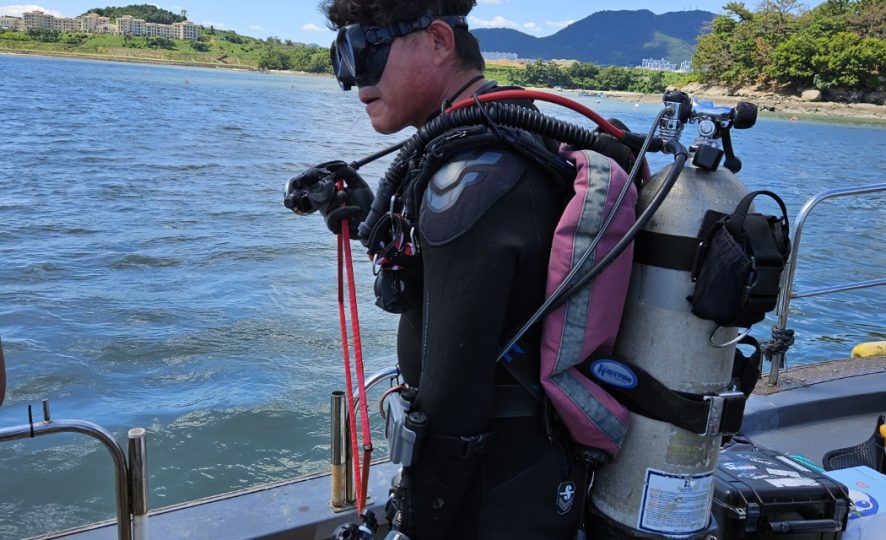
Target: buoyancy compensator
[(661, 483)]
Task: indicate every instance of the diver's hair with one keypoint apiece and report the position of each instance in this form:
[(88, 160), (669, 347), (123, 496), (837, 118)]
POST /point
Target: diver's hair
[(385, 12)]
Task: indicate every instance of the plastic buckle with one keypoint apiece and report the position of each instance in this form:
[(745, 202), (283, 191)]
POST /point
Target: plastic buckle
[(725, 413)]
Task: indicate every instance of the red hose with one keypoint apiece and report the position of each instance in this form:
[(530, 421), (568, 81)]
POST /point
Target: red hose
[(544, 96)]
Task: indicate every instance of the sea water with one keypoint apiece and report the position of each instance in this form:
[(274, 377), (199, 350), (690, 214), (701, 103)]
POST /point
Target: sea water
[(151, 277)]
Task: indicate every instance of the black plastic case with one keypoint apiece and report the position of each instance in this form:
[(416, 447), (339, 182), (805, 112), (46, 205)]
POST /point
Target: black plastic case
[(760, 493)]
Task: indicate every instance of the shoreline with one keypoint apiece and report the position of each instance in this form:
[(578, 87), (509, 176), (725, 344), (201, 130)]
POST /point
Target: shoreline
[(769, 104)]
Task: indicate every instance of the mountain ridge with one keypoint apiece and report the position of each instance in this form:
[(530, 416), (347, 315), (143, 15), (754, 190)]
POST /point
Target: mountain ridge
[(611, 37)]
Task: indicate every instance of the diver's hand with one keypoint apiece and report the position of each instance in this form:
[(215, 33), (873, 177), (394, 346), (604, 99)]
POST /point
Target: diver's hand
[(351, 203), (315, 190)]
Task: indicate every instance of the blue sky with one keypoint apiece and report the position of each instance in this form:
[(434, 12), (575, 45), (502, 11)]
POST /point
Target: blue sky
[(300, 20)]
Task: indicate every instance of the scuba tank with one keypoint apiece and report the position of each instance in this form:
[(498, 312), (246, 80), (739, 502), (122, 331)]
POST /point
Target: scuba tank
[(661, 483)]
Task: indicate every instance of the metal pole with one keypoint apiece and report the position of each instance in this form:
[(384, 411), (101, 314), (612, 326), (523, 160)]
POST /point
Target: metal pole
[(138, 481), (2, 375), (124, 526), (339, 450)]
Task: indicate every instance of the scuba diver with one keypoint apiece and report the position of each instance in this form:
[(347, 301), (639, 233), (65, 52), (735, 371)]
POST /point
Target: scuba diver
[(464, 262)]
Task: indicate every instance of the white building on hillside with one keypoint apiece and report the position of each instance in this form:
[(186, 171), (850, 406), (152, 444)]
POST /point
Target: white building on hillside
[(37, 19), (159, 30), (12, 23), (96, 24), (128, 25), (186, 30)]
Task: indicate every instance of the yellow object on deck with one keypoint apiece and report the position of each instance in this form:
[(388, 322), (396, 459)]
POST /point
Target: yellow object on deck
[(874, 348)]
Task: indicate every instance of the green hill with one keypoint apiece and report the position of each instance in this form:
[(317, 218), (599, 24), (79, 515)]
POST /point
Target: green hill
[(620, 38)]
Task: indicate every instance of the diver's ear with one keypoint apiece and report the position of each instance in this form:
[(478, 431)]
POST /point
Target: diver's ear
[(2, 375), (443, 37)]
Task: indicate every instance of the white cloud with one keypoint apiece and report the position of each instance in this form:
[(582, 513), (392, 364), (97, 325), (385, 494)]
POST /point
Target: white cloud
[(16, 10), (311, 27), (560, 24), (495, 22), (219, 25), (255, 27), (501, 22)]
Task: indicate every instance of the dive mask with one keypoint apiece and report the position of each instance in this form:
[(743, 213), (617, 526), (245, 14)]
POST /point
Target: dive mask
[(360, 51)]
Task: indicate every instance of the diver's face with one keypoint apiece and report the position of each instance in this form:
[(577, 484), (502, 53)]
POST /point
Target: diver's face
[(406, 94)]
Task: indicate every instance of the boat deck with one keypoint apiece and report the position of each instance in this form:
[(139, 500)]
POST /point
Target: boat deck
[(814, 409), (818, 408)]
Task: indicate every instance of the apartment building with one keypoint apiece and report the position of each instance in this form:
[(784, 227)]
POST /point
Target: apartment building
[(12, 23), (96, 24), (37, 19), (187, 30), (128, 25), (159, 30)]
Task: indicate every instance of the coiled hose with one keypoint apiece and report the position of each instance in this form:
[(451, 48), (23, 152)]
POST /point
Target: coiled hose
[(504, 114)]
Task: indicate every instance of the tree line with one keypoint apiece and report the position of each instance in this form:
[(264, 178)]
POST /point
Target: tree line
[(838, 44)]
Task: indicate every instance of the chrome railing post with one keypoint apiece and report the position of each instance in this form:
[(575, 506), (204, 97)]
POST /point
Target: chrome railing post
[(787, 281), (339, 449), (138, 481), (344, 493)]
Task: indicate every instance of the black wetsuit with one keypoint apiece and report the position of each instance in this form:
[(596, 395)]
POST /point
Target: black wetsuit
[(486, 225)]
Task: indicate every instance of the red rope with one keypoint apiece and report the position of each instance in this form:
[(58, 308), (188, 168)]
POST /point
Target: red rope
[(544, 96), (348, 383), (361, 475)]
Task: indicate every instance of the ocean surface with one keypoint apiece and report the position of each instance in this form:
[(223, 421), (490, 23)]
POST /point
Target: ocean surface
[(151, 277)]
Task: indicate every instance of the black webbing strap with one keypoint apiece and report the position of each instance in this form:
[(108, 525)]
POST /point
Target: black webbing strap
[(666, 250), (701, 414), (459, 447)]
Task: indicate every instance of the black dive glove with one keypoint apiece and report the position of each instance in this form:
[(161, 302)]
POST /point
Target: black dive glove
[(314, 190)]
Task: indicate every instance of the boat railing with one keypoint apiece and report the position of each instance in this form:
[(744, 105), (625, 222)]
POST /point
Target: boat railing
[(121, 472), (787, 283)]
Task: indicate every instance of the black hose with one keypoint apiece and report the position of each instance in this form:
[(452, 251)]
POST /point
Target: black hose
[(680, 157), (505, 114)]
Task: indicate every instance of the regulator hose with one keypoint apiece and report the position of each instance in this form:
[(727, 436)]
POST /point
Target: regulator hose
[(504, 114)]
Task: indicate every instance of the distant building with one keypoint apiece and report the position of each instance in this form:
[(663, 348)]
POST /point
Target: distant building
[(96, 24), (12, 23), (499, 56), (128, 25), (159, 30), (187, 30), (663, 64)]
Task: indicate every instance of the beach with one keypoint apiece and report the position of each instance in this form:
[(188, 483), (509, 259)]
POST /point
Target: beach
[(769, 103)]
